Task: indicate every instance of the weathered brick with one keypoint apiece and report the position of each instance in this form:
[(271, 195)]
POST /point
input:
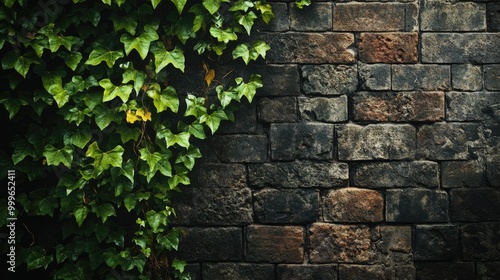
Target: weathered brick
[(388, 47), (416, 205), (237, 271), (437, 15), (445, 271), (278, 80), (436, 243), (315, 17), (404, 272), (493, 16), (194, 270), (307, 272), (245, 120), (299, 174), (278, 109), (480, 241), (493, 170), (211, 244), (420, 77), (333, 109), (460, 47), (312, 48), (329, 79), (474, 205), (353, 205), (398, 106), (457, 174), (448, 141), (396, 174), (275, 244), (492, 77), (390, 239), (238, 148), (374, 17), (384, 141), (279, 23), (339, 243), (301, 141), (273, 206), (466, 77), (214, 175), (472, 106), (374, 76), (360, 272), (488, 270)]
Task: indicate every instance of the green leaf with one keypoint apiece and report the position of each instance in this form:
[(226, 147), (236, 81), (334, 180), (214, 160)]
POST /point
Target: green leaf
[(169, 241), (56, 41), (104, 160), (56, 156), (124, 23), (167, 99), (22, 149), (80, 213), (195, 106), (242, 51), (212, 5), (12, 105), (182, 138), (302, 3), (200, 17), (179, 265), (140, 44), (266, 11), (20, 63), (127, 134), (188, 158), (247, 20), (248, 89), (179, 4), (111, 91), (37, 257), (155, 3), (61, 96), (100, 54), (104, 211), (78, 137), (223, 35), (138, 77), (130, 201), (241, 5), (163, 57), (103, 116), (71, 59), (213, 120)]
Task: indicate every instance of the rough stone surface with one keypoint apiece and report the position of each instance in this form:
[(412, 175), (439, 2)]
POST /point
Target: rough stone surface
[(315, 17), (492, 77), (353, 205), (332, 110), (280, 109), (396, 174), (299, 174), (393, 239), (357, 272), (238, 148), (493, 16), (238, 271), (438, 15), (244, 120), (307, 272), (457, 174), (329, 79), (301, 141), (488, 270), (388, 47), (215, 175), (420, 77), (470, 205), (445, 270), (211, 244), (281, 20), (480, 241), (275, 244), (385, 141), (374, 76), (278, 80), (436, 243), (466, 77), (273, 206), (416, 206), (472, 106), (398, 106)]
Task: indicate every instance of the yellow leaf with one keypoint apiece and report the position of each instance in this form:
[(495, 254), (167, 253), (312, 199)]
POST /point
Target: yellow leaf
[(138, 115), (209, 74), (131, 117)]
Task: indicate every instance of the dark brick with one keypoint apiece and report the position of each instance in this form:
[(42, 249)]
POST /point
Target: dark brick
[(384, 141), (299, 174), (457, 174), (466, 77), (398, 106), (488, 270), (473, 205), (493, 170), (214, 175), (278, 109), (211, 244), (279, 23), (420, 77), (360, 272), (245, 120), (375, 76), (390, 239), (315, 17), (480, 241), (388, 47), (329, 79), (493, 16), (275, 244), (472, 106), (404, 272), (492, 77), (396, 174), (436, 243), (278, 80), (194, 270), (444, 271), (238, 148), (301, 141), (272, 206), (237, 271), (307, 272), (322, 109), (441, 16), (353, 205), (416, 205)]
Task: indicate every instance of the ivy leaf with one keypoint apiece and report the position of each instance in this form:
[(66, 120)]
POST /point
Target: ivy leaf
[(56, 156), (167, 99), (179, 4), (80, 213), (61, 96), (100, 54), (169, 241), (38, 258), (12, 105), (195, 106), (130, 201), (179, 265), (248, 89), (103, 160), (247, 20), (242, 51), (22, 149), (56, 41), (213, 120), (71, 59), (200, 17), (213, 5), (20, 63), (223, 35), (155, 219), (138, 77), (182, 138), (302, 3), (155, 3), (140, 44), (111, 91), (266, 11), (163, 57), (104, 211), (127, 134), (103, 116), (126, 23), (188, 158), (241, 5), (78, 137)]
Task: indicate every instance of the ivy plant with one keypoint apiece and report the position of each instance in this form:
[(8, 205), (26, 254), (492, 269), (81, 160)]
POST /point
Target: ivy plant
[(103, 134)]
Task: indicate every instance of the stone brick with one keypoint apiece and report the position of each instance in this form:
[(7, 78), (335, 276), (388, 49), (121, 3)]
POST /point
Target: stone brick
[(315, 17), (329, 79), (375, 76), (245, 120), (436, 243), (375, 17), (492, 77), (301, 141), (472, 106), (438, 15), (384, 141), (278, 109), (448, 141), (390, 239), (466, 77), (493, 170), (388, 47), (307, 272), (194, 270), (444, 271), (353, 205), (420, 77), (211, 244), (398, 106), (321, 109), (312, 48), (396, 174), (238, 148), (457, 174), (360, 272), (416, 205), (488, 270), (480, 241), (339, 243), (460, 47), (219, 206), (278, 80), (493, 16), (404, 272), (214, 175), (288, 206), (237, 271), (299, 174), (279, 23), (474, 205), (275, 244)]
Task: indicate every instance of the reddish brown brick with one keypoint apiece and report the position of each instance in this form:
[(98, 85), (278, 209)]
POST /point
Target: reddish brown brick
[(388, 47), (275, 244), (353, 205)]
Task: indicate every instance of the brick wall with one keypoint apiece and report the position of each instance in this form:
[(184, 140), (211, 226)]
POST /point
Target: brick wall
[(373, 151)]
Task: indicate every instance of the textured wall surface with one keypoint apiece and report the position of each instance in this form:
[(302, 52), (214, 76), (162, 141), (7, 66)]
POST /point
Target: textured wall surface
[(373, 151)]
